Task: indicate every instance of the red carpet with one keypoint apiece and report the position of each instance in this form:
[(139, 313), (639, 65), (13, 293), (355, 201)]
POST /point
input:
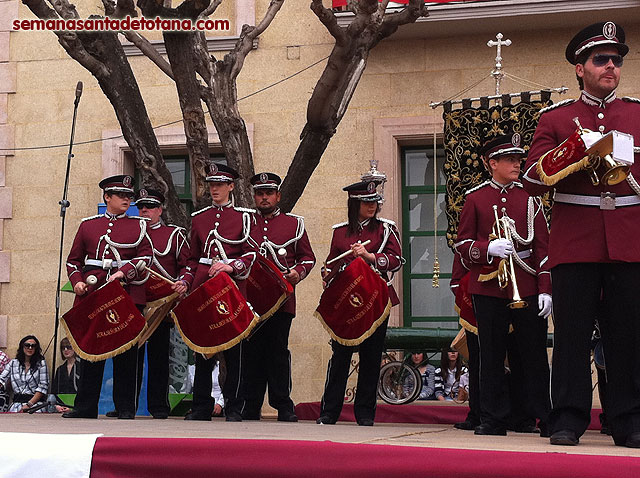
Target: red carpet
[(417, 412), (170, 458)]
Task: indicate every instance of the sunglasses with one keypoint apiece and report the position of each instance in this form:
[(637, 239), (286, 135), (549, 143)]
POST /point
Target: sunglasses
[(602, 60), (28, 345), (146, 206), (124, 195), (67, 347)]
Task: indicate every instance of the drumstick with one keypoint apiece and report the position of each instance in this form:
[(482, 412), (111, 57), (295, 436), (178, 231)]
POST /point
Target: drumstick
[(158, 276), (282, 252), (345, 254)]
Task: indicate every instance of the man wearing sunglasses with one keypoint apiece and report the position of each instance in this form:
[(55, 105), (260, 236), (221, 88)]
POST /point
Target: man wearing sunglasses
[(594, 254), (110, 246)]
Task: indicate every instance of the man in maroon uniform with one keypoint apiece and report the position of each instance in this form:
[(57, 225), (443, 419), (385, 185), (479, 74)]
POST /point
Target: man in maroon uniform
[(594, 253), (219, 244), (384, 253), (110, 246), (170, 254), (528, 250), (282, 239)]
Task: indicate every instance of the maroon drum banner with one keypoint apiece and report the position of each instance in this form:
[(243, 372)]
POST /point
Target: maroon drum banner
[(464, 305), (156, 289), (215, 316), (570, 156), (267, 289), (355, 304), (103, 324)]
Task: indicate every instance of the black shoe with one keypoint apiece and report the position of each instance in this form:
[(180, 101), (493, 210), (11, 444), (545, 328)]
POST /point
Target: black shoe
[(466, 425), (77, 414), (564, 437), (126, 415), (365, 422), (287, 416), (605, 430), (251, 415), (544, 430), (200, 416), (111, 414), (633, 440), (233, 417), (326, 420), (487, 429), (160, 415)]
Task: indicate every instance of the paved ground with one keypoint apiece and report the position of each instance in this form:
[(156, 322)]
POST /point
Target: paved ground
[(441, 436)]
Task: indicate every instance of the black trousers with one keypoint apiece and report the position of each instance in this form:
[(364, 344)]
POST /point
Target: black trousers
[(157, 349), (203, 402), (124, 384), (577, 292), (474, 377), (268, 364), (370, 352), (530, 335)]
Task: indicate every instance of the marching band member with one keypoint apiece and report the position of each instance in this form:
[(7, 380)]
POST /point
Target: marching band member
[(593, 251), (110, 246), (219, 244), (527, 254), (383, 253), (282, 239), (170, 253)]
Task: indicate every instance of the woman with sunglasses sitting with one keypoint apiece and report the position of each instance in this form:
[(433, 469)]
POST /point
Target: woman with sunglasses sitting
[(67, 375), (28, 375)]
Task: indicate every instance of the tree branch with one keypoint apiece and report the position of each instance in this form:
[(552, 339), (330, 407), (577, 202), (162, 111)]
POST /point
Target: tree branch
[(64, 9), (329, 20), (40, 9), (249, 34), (149, 51), (414, 10), (213, 6), (124, 8)]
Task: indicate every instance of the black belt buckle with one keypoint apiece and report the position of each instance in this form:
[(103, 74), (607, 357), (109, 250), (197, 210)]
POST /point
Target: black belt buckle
[(607, 201)]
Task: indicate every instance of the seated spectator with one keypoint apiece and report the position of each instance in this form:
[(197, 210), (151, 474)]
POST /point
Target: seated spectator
[(217, 378), (67, 375), (428, 374), (4, 396), (28, 375), (450, 375)]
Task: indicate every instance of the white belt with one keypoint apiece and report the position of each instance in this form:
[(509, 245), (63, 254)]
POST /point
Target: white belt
[(207, 261), (105, 264), (524, 254), (605, 201)]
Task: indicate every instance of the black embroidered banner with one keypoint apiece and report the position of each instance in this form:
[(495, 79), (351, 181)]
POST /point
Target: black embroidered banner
[(466, 130)]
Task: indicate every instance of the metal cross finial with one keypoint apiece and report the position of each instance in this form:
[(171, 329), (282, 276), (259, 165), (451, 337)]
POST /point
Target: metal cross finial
[(497, 72)]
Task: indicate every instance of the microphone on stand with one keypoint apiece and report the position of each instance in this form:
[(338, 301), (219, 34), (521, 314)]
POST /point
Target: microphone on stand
[(78, 93)]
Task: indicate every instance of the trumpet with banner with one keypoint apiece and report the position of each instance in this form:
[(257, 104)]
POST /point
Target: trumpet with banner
[(104, 323), (606, 158), (354, 304), (215, 316)]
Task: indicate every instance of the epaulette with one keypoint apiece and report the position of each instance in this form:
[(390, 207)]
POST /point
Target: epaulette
[(176, 227), (475, 188), (91, 217), (201, 210), (139, 217), (244, 209), (518, 183), (630, 99), (293, 215), (340, 224), (388, 221), (558, 105)]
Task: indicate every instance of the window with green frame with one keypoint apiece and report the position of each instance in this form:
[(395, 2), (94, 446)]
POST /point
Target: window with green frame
[(425, 306), (178, 165)]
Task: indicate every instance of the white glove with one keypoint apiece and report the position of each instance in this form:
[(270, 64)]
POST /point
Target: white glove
[(545, 304), (500, 248)]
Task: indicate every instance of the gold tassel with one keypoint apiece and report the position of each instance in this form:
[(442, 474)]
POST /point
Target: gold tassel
[(435, 281)]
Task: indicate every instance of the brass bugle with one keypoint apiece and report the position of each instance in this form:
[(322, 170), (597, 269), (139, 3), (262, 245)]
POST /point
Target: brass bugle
[(517, 302), (503, 274)]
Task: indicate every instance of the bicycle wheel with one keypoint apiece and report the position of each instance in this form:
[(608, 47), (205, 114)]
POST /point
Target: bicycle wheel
[(399, 383)]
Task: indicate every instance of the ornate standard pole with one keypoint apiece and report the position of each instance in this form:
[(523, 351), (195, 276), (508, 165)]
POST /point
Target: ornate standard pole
[(497, 73)]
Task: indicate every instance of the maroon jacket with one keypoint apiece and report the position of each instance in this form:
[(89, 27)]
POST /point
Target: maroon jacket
[(385, 245), (219, 233), (170, 249), (283, 231), (476, 223), (587, 233), (121, 239)]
